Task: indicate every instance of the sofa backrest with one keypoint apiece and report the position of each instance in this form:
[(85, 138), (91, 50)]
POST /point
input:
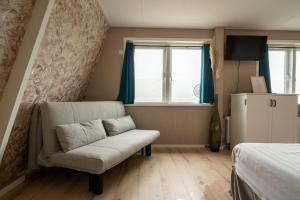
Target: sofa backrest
[(58, 113)]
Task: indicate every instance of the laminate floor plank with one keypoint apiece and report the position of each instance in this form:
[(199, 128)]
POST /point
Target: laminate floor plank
[(169, 174)]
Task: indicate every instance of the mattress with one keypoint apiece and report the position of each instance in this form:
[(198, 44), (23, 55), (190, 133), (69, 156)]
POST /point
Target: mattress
[(271, 170)]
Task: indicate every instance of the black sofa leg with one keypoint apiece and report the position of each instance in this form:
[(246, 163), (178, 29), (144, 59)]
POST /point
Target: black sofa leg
[(43, 171), (96, 183), (148, 150)]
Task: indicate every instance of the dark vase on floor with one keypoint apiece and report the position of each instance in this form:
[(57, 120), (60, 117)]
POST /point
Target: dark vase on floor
[(215, 128)]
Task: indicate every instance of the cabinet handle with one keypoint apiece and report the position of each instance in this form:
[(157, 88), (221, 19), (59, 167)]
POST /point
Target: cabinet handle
[(275, 103), (271, 102)]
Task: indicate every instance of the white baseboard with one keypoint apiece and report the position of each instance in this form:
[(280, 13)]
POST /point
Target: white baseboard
[(179, 145), (11, 186)]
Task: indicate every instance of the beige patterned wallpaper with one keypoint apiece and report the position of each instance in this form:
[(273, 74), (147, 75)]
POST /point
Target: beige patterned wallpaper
[(65, 63), (14, 16)]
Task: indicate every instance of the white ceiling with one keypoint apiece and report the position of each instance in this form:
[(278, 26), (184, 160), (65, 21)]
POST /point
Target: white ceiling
[(255, 14)]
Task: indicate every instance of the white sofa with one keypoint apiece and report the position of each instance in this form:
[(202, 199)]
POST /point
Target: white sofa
[(94, 158)]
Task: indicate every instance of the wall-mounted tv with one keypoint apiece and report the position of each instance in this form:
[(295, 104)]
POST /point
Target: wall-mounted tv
[(244, 47)]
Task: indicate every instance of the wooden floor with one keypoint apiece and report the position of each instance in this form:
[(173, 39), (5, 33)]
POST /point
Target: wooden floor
[(170, 174)]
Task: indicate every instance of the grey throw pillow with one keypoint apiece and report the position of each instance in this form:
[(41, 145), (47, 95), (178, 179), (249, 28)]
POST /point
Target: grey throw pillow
[(118, 125), (75, 135)]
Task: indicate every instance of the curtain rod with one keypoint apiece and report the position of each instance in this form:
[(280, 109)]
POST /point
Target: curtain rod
[(145, 45), (283, 47)]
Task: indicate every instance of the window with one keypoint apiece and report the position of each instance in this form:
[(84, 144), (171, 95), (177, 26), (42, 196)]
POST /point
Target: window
[(277, 67), (297, 81), (285, 70), (167, 74), (186, 65), (148, 75)]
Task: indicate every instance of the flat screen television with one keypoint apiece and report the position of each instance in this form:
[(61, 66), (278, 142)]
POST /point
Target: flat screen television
[(241, 47)]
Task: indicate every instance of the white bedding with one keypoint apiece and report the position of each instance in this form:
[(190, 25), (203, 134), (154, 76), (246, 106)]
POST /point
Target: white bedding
[(271, 170)]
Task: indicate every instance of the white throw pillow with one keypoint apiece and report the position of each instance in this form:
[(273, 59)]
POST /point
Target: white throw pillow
[(75, 135), (118, 125)]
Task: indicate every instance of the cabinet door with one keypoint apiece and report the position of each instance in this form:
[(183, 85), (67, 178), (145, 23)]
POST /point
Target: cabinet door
[(259, 116), (284, 119), (238, 120)]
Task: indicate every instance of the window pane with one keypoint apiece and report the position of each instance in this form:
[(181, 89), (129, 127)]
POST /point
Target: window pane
[(186, 64), (148, 75), (277, 60), (298, 74)]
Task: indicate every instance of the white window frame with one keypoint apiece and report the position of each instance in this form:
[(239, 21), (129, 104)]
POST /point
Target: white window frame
[(289, 66), (167, 70)]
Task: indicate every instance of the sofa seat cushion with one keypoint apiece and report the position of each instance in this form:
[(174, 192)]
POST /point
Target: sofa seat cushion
[(101, 155), (129, 142), (87, 158)]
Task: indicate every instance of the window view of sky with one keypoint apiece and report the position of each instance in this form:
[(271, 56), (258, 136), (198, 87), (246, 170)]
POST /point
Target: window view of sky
[(277, 62), (185, 74), (297, 73), (148, 75)]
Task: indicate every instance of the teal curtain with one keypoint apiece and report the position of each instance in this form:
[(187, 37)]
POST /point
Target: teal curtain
[(126, 91), (264, 69), (206, 80)]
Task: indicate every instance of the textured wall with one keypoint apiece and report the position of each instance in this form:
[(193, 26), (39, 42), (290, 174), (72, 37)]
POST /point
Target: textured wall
[(14, 16), (65, 62)]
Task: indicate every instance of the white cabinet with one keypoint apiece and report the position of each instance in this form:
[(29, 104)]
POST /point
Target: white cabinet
[(263, 118)]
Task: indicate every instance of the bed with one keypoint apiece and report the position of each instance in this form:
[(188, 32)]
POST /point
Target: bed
[(266, 171)]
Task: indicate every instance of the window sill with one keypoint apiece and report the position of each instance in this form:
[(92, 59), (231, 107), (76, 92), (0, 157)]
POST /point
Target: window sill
[(169, 105)]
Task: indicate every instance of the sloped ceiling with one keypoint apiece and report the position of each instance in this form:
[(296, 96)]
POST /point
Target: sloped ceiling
[(62, 70), (14, 16)]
